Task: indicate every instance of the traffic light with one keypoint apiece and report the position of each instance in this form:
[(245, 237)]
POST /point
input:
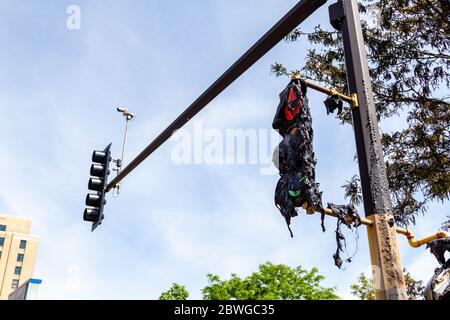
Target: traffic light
[(97, 182), (294, 157)]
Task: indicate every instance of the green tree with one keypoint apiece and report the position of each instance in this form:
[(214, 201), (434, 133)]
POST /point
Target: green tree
[(176, 292), (407, 45), (270, 282), (415, 289), (364, 289), (446, 224), (353, 190)]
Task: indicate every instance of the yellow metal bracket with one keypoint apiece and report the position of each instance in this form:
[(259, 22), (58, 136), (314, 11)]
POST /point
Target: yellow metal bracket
[(413, 242), (352, 100), (295, 76), (329, 212)]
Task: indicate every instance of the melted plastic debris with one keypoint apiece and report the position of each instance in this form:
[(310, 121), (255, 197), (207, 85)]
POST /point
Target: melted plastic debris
[(438, 248), (294, 156), (332, 103)]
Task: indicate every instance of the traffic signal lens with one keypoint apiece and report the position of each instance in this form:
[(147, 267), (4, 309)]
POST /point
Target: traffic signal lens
[(99, 156), (91, 215), (97, 170), (93, 200), (96, 184)]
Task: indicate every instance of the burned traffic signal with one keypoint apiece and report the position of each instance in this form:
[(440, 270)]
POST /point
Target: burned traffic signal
[(97, 182)]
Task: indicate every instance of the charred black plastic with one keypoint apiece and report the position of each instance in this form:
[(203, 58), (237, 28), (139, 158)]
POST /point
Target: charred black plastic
[(438, 288), (332, 103), (96, 201), (294, 156), (438, 248), (348, 216), (283, 201), (280, 122)]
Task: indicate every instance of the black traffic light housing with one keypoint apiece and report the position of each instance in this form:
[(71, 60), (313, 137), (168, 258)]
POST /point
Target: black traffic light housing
[(97, 182)]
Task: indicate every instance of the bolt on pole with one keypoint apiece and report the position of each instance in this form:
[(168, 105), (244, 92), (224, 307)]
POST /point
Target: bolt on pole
[(387, 269)]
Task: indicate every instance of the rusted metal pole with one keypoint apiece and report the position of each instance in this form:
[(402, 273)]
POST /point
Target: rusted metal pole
[(386, 265)]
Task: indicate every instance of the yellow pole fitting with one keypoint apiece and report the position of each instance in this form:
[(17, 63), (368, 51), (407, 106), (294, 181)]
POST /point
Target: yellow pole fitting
[(415, 243), (308, 209), (295, 76), (334, 92), (354, 101), (329, 212)]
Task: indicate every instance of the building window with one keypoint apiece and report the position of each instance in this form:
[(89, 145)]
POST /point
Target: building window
[(2, 227), (18, 270), (23, 244), (20, 257), (2, 241), (15, 284)]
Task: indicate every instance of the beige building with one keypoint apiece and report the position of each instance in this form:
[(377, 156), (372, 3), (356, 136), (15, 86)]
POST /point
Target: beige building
[(18, 251)]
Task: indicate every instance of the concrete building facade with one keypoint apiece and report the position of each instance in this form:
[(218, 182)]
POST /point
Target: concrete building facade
[(18, 250)]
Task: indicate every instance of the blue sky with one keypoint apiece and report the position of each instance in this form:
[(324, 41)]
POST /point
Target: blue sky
[(171, 223)]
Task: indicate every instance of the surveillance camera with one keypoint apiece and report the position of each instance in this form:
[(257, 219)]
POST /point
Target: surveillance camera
[(125, 113), (123, 110)]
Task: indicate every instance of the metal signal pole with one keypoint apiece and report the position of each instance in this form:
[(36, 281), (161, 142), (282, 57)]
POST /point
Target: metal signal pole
[(386, 265)]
